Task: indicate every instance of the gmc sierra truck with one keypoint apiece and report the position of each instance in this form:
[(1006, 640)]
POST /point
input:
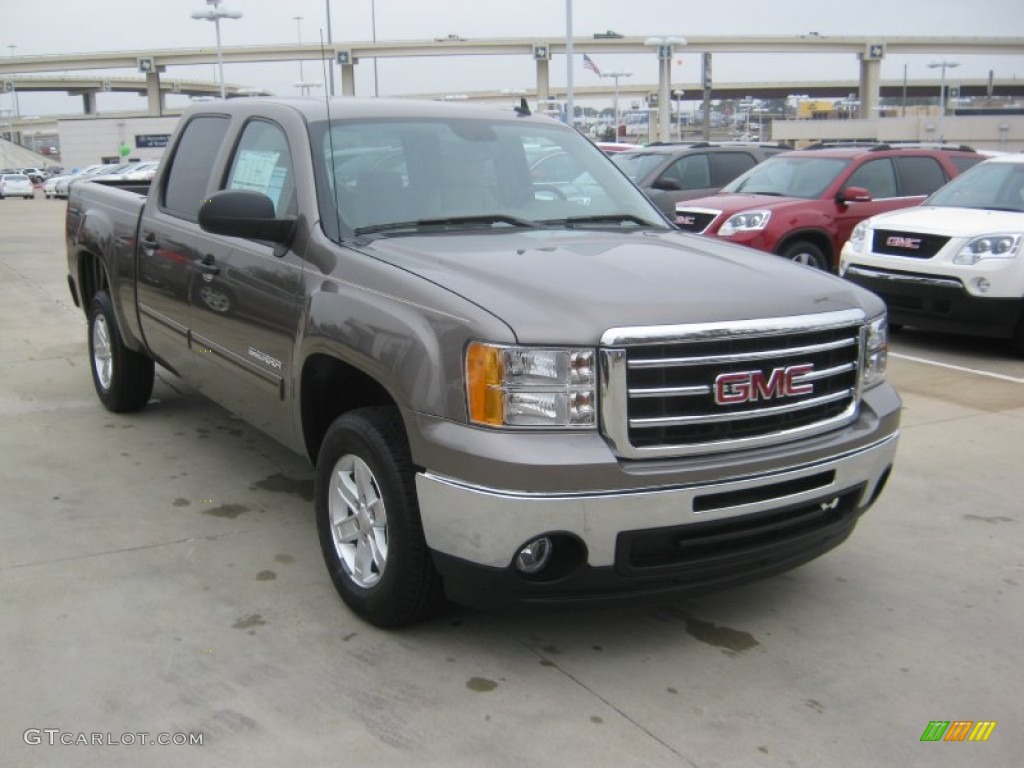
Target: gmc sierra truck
[(510, 389)]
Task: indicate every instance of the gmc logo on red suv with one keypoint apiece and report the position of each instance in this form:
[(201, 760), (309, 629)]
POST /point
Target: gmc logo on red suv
[(751, 386)]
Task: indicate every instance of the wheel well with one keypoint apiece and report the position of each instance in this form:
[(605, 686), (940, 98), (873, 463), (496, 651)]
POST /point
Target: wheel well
[(92, 278), (331, 387), (814, 237)]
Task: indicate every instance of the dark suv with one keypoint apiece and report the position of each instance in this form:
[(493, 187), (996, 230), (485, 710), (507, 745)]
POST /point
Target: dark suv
[(669, 173), (804, 204)]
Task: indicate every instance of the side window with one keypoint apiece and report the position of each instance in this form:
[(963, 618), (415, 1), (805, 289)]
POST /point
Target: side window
[(728, 165), (190, 167), (962, 162), (877, 176), (263, 163), (690, 172), (920, 175)]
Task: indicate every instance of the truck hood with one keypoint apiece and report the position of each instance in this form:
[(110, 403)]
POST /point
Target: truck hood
[(568, 287), (729, 203), (951, 222)]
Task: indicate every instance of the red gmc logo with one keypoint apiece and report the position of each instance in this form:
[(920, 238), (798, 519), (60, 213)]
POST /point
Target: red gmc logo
[(751, 386), (910, 243)]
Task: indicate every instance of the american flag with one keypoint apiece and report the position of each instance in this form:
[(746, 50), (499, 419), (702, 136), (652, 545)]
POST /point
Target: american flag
[(588, 63)]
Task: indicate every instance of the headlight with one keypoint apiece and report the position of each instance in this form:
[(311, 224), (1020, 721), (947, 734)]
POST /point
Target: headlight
[(1004, 246), (531, 386), (749, 221), (856, 242), (876, 352)]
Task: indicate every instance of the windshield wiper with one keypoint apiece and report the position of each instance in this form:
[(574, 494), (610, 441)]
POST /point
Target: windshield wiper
[(450, 221), (608, 218)]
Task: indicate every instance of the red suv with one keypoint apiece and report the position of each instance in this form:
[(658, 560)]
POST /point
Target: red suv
[(804, 204)]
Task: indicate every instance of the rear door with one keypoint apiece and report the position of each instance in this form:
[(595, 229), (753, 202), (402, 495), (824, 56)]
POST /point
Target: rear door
[(167, 242), (878, 177), (245, 310)]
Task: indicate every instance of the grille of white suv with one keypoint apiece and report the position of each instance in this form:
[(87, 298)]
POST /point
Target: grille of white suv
[(706, 388)]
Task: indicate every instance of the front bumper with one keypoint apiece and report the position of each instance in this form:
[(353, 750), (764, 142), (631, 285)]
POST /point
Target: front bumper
[(939, 303), (691, 537)]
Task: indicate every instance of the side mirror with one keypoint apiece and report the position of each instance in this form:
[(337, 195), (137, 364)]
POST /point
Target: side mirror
[(244, 213), (666, 184), (853, 195)]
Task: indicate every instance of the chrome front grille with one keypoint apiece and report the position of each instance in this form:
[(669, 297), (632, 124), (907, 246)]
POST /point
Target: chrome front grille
[(682, 390)]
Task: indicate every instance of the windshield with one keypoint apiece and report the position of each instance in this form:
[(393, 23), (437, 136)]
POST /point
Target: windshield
[(638, 165), (789, 176), (989, 186), (400, 176)]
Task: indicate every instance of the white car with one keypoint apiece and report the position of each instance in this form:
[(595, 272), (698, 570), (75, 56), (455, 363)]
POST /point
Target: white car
[(16, 185), (955, 263)]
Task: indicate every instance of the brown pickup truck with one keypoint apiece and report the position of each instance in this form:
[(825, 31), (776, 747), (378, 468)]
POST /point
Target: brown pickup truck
[(509, 387)]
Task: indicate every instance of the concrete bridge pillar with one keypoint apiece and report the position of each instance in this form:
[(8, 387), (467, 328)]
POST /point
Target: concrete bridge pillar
[(154, 95), (870, 86)]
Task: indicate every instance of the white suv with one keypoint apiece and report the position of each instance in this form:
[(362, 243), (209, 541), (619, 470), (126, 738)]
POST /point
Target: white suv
[(954, 263)]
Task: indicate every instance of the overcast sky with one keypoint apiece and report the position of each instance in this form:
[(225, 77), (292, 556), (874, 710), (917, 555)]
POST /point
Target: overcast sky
[(101, 25)]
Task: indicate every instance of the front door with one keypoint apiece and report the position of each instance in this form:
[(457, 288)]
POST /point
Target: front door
[(245, 308)]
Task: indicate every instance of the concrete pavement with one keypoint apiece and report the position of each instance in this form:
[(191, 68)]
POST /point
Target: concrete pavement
[(160, 574)]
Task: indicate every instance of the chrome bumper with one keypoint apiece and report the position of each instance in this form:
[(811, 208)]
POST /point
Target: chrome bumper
[(486, 526)]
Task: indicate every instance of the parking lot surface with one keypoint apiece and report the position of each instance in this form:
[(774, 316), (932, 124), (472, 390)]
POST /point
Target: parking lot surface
[(161, 580)]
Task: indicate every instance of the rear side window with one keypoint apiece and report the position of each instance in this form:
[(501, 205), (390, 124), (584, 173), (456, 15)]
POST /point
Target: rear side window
[(191, 165), (726, 166), (690, 172), (963, 162), (919, 175), (877, 177)]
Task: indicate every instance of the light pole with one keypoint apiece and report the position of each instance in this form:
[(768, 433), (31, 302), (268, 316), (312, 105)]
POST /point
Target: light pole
[(943, 65), (373, 32), (298, 27), (215, 13), (678, 96), (665, 52), (330, 42), (615, 103), (570, 105)]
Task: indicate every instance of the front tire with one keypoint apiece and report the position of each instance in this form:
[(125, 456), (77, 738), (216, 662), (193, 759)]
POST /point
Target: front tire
[(806, 253), (369, 522), (123, 378)]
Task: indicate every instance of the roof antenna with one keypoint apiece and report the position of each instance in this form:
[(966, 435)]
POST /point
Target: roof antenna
[(523, 110), (330, 138)]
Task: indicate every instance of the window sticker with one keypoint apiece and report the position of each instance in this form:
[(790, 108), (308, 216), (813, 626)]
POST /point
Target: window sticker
[(258, 171)]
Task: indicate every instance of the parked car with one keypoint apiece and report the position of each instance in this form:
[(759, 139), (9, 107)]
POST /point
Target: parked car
[(803, 205), (64, 183), (670, 173), (955, 263), (35, 175), (144, 171), (16, 185)]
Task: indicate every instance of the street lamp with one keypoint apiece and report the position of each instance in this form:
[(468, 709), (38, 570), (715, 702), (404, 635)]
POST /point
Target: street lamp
[(215, 13), (615, 104), (665, 46), (943, 65)]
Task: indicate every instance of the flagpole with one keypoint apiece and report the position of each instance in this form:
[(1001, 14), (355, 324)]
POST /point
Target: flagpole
[(570, 108)]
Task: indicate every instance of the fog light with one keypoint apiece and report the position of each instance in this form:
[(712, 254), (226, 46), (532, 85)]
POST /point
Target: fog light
[(982, 284), (534, 556)]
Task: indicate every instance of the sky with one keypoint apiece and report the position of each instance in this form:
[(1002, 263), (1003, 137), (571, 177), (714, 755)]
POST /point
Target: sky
[(38, 28)]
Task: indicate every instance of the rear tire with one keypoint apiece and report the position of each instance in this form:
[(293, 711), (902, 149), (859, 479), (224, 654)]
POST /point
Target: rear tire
[(806, 253), (369, 522), (123, 378)]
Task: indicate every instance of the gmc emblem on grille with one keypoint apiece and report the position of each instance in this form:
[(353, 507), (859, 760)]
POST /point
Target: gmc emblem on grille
[(910, 243), (686, 221), (751, 386)]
